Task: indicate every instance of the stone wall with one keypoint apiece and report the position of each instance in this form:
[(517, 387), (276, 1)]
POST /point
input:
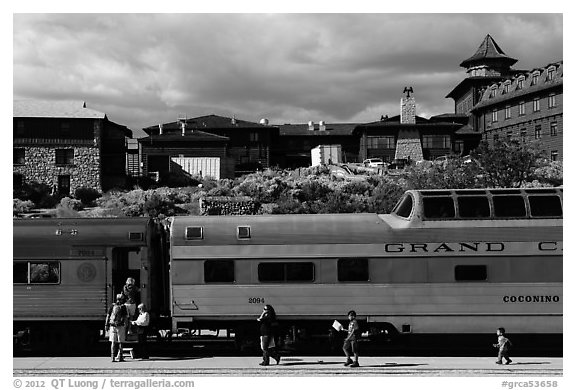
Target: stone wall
[(227, 205), (40, 165), (408, 145), (408, 110)]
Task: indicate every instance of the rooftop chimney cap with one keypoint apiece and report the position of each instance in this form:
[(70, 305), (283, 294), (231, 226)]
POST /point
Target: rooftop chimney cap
[(322, 126), (311, 125)]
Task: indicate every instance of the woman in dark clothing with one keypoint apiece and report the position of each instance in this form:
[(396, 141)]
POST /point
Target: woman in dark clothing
[(268, 326)]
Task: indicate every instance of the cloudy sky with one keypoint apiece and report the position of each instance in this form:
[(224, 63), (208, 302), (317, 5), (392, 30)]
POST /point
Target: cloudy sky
[(145, 69)]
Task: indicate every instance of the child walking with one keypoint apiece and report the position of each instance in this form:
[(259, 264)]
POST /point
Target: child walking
[(351, 342), (503, 346)]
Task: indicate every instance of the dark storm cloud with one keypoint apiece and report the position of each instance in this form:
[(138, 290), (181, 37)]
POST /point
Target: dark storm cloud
[(142, 69)]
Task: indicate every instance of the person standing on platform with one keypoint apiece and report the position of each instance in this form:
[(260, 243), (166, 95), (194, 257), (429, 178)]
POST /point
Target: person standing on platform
[(142, 323), (115, 324)]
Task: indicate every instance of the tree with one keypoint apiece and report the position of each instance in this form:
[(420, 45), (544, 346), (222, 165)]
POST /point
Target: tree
[(507, 163)]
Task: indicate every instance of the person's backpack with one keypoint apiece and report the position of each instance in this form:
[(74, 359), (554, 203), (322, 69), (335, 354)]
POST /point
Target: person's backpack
[(116, 317)]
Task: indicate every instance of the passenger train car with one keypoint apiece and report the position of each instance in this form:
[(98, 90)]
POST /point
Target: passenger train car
[(444, 262), (67, 271)]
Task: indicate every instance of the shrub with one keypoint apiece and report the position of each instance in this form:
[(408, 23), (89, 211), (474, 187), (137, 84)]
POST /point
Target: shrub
[(68, 208), (22, 206), (87, 195)]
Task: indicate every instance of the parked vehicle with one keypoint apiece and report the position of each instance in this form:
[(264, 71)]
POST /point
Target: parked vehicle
[(373, 163)]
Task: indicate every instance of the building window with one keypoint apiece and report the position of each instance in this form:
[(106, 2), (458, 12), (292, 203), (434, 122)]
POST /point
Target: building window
[(20, 127), (523, 135), (552, 100), (492, 92), (506, 88), (385, 142), (521, 108), (17, 181), (551, 74), (509, 135), (521, 82), (436, 141), (553, 129), (507, 112), (64, 184), (554, 155), (495, 115), (353, 270), (19, 157), (64, 129), (254, 136), (535, 78), (219, 271), (459, 146), (536, 104), (538, 132), (64, 156)]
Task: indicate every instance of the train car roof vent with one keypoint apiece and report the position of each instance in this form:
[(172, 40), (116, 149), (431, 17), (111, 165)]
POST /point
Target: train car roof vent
[(194, 233), (243, 232), (135, 236)]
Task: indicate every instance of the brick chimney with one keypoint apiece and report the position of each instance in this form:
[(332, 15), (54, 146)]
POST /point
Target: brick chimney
[(408, 107)]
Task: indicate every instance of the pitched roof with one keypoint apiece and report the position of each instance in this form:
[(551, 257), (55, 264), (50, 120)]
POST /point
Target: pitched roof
[(54, 109), (488, 50), (207, 122), (301, 129), (194, 136), (530, 88)]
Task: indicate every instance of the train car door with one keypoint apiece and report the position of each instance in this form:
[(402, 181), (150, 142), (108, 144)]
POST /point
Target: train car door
[(130, 263)]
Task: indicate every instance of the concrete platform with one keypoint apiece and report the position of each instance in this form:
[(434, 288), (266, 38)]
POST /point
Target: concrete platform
[(289, 366)]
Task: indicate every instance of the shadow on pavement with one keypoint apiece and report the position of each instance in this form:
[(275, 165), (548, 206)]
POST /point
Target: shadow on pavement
[(526, 363), (174, 358)]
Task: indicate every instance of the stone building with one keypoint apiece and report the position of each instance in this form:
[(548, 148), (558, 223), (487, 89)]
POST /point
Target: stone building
[(408, 136), (67, 146)]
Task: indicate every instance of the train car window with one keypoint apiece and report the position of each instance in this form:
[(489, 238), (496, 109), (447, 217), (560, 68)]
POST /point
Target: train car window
[(194, 233), (243, 232), (300, 272), (219, 271), (509, 206), (20, 271), (540, 190), (545, 206), (353, 270), (439, 207), (286, 272), (474, 207), (470, 272), (404, 207), (135, 236), (45, 272)]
